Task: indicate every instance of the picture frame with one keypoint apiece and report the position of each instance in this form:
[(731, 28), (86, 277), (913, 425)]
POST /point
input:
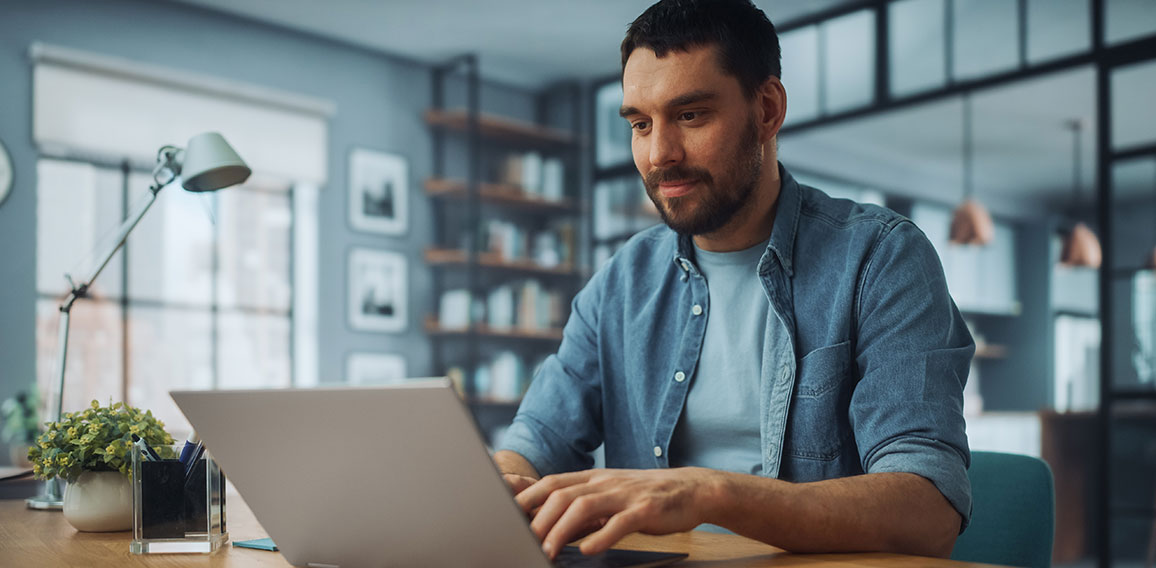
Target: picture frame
[(378, 290), (378, 192), (374, 368)]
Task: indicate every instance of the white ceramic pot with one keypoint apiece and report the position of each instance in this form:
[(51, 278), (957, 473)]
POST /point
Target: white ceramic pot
[(99, 501)]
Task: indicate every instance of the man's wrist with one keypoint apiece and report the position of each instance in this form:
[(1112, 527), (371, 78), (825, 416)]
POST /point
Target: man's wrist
[(715, 495)]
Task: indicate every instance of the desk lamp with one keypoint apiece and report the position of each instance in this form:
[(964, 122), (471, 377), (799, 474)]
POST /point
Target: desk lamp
[(207, 164)]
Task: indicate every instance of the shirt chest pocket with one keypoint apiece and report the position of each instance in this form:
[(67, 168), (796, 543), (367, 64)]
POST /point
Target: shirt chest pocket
[(818, 425)]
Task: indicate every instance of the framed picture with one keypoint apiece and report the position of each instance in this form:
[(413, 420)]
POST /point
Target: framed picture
[(374, 368), (378, 290), (378, 192)]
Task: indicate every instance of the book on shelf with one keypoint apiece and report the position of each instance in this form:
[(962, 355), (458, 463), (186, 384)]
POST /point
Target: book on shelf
[(523, 305), (536, 175), (454, 308), (548, 248)]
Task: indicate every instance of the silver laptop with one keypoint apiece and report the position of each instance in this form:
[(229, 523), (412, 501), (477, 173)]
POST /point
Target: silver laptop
[(373, 476)]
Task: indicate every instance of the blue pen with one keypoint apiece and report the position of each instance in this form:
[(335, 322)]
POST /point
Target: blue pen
[(190, 447), (191, 465), (145, 450)]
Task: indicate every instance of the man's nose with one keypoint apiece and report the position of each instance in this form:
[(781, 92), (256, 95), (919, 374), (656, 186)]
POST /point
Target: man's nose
[(665, 146)]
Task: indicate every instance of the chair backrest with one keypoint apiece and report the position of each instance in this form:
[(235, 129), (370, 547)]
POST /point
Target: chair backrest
[(1013, 511)]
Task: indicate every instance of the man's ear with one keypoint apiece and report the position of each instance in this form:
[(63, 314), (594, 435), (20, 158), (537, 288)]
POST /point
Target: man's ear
[(771, 99)]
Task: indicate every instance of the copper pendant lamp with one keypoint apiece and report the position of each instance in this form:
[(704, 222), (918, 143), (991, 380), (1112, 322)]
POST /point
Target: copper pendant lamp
[(971, 224), (1081, 246)]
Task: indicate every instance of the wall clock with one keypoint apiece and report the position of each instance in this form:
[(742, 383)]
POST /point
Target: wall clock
[(5, 173)]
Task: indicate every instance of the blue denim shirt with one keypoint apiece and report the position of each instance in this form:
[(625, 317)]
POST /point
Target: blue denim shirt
[(863, 370)]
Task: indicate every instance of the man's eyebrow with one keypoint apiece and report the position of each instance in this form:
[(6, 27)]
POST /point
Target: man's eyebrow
[(681, 100)]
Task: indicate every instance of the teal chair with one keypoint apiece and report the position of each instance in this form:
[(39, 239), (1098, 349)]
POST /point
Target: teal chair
[(1013, 512)]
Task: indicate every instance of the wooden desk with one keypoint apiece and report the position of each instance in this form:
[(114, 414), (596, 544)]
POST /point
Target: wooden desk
[(45, 539)]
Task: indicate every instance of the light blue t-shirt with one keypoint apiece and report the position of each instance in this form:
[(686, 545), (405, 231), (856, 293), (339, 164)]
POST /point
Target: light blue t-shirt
[(719, 427)]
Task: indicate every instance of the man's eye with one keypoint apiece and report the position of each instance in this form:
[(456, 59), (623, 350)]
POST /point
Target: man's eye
[(640, 125), (688, 115)]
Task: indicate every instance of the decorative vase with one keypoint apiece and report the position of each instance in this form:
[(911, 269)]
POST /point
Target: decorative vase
[(99, 501)]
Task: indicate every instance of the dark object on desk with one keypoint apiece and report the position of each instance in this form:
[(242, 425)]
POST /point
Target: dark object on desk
[(173, 502), (571, 557), (163, 499)]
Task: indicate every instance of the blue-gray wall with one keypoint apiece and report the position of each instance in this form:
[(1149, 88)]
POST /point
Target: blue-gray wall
[(380, 101)]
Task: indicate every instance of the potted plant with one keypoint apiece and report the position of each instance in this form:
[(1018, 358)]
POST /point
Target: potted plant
[(20, 425), (92, 451)]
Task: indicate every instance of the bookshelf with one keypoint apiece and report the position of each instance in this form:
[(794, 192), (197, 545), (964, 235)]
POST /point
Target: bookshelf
[(505, 257)]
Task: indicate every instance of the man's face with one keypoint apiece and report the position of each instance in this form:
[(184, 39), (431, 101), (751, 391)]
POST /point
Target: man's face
[(695, 137)]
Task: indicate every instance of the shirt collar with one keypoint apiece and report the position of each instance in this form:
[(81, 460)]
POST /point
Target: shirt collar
[(786, 227)]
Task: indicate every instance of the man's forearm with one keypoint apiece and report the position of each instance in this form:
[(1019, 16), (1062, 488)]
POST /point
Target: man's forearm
[(891, 512), (513, 462)]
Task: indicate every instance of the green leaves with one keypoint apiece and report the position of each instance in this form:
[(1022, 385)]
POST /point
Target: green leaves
[(95, 439)]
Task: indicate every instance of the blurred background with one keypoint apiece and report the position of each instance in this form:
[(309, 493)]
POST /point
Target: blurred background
[(434, 181)]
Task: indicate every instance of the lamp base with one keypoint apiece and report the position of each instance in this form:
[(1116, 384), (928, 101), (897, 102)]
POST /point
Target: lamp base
[(45, 503), (51, 500)]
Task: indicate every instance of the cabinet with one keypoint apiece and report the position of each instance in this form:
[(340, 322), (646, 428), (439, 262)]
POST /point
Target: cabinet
[(504, 261)]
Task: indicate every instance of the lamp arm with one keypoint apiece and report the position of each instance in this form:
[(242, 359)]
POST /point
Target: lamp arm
[(80, 290)]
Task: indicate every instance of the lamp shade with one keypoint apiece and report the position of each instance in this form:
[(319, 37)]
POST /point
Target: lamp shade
[(210, 164), (1081, 248), (971, 224)]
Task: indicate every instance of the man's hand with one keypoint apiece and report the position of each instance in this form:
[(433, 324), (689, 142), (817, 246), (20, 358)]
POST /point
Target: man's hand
[(615, 503), (518, 483)]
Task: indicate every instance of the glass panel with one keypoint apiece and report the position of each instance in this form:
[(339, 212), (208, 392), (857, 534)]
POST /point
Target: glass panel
[(800, 50), (1128, 20), (253, 350), (917, 45), (612, 134), (1133, 213), (94, 352), (1133, 90), (849, 61), (254, 249), (170, 258), (170, 349), (1057, 28), (78, 212), (986, 37)]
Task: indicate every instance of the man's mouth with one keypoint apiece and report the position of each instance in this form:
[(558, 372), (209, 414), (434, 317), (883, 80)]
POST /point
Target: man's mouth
[(671, 189)]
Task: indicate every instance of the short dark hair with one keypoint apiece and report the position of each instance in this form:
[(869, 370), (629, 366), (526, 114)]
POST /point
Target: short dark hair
[(748, 47)]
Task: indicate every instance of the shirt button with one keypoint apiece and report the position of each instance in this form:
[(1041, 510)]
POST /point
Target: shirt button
[(680, 376), (657, 452), (686, 266), (696, 310)]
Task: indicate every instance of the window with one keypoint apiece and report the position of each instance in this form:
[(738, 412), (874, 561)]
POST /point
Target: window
[(199, 297)]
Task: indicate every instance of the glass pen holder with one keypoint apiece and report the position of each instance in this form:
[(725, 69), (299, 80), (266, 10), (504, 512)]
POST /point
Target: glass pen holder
[(177, 507)]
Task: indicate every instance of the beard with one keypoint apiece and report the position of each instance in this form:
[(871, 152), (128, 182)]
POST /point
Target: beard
[(718, 203)]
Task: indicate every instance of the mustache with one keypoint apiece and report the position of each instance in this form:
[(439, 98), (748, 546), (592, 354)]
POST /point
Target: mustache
[(676, 173)]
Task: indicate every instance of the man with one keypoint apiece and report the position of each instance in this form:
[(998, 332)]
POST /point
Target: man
[(773, 361)]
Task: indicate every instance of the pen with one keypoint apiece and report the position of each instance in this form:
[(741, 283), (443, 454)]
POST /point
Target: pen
[(190, 447), (145, 450), (194, 456)]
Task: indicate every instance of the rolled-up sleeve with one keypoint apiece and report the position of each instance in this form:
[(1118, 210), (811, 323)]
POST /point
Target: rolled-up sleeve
[(913, 355), (559, 422)]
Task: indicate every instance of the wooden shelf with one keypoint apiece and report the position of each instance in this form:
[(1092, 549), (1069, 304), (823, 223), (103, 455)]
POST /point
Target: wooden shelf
[(554, 335), (500, 128), (493, 260), (504, 194)]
